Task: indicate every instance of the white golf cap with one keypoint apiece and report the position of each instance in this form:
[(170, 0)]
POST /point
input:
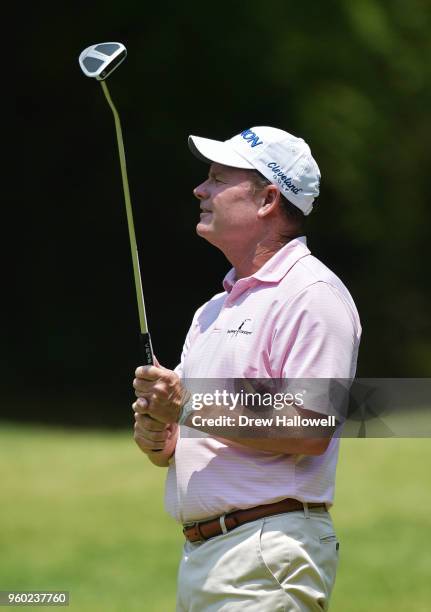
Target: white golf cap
[(282, 158)]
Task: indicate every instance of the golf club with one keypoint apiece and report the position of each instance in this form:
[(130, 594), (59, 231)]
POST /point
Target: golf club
[(98, 62)]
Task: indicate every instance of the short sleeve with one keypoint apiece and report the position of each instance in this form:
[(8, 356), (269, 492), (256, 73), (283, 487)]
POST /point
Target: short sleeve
[(318, 345), (317, 335)]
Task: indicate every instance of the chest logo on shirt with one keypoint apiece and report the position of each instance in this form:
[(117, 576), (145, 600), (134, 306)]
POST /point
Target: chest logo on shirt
[(242, 329)]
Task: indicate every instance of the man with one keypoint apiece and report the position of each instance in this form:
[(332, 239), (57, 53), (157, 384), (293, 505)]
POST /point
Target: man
[(258, 533)]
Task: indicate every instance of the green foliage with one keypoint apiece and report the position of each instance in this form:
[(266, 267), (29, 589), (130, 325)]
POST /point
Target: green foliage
[(350, 76), (353, 78)]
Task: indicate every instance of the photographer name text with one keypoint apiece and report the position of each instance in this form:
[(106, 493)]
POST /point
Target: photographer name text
[(278, 421)]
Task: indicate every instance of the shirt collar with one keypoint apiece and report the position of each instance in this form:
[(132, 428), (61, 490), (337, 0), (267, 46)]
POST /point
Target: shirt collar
[(276, 267)]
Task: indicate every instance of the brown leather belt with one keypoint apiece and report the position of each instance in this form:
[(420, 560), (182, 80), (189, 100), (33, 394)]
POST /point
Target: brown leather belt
[(201, 531)]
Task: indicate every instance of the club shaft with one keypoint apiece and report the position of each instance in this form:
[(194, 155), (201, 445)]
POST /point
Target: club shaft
[(133, 246), (145, 339)]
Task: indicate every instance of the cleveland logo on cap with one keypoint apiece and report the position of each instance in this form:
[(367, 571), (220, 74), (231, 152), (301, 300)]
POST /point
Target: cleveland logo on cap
[(282, 179)]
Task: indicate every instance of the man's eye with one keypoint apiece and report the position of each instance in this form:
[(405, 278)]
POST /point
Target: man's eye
[(216, 179)]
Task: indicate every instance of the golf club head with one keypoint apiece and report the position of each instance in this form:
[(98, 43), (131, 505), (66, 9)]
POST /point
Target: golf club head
[(99, 61)]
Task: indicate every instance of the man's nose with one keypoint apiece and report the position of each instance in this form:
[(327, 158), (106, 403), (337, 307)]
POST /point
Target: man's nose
[(200, 192)]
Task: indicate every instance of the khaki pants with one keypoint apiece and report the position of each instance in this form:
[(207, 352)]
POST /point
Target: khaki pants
[(280, 563)]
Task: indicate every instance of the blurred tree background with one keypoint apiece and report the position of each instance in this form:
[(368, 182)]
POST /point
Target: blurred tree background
[(350, 76)]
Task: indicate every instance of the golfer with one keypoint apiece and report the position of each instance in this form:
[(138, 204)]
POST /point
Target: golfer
[(258, 534)]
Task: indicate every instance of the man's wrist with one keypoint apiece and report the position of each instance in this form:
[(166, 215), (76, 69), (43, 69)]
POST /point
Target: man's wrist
[(185, 410)]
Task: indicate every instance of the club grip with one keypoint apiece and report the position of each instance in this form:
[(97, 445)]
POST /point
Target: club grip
[(147, 356), (146, 349)]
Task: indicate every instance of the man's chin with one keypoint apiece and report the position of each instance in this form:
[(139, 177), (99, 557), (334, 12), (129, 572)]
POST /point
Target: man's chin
[(203, 229), (206, 232)]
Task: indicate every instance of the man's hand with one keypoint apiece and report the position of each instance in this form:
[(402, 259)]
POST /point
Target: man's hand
[(151, 435), (160, 393)]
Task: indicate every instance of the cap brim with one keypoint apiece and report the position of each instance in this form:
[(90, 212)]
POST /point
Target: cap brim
[(209, 151)]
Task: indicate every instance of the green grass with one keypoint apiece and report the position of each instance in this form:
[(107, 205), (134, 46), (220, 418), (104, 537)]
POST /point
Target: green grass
[(383, 519), (83, 511)]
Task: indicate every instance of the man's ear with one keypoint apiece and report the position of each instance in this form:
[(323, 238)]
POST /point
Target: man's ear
[(269, 200)]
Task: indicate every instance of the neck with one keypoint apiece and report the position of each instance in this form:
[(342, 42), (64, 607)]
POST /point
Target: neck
[(248, 261)]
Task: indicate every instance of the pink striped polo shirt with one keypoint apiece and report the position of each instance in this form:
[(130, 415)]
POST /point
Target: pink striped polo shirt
[(294, 318)]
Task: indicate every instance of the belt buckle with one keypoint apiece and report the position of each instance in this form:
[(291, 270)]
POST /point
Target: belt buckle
[(194, 525), (188, 525), (197, 530)]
